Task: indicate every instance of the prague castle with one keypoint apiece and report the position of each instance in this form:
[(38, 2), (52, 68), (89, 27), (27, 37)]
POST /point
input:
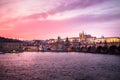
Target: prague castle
[(88, 38)]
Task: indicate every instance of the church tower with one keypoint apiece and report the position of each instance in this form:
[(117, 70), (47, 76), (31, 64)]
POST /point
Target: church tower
[(82, 35)]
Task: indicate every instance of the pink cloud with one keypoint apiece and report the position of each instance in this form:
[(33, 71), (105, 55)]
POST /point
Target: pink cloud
[(45, 19)]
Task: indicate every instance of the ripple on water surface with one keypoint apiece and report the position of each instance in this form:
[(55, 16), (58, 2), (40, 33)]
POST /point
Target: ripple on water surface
[(59, 66)]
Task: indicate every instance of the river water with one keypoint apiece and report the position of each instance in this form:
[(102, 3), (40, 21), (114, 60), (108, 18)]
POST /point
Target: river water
[(59, 66)]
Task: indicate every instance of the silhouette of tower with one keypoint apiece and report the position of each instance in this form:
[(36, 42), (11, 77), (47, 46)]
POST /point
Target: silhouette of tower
[(82, 35)]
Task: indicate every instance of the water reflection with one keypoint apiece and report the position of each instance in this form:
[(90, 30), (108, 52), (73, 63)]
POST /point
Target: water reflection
[(59, 66)]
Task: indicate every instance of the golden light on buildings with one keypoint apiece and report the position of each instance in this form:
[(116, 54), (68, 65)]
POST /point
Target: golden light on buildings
[(114, 39)]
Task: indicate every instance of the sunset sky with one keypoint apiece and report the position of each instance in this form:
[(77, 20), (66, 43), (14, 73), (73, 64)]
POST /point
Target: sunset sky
[(45, 19)]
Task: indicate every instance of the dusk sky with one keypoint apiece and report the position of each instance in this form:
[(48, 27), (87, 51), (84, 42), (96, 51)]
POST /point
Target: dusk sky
[(46, 19)]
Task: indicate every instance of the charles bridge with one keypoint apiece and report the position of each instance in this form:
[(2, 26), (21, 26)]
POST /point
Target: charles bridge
[(113, 47)]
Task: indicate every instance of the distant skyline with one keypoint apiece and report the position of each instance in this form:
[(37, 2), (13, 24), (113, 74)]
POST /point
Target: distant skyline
[(46, 19)]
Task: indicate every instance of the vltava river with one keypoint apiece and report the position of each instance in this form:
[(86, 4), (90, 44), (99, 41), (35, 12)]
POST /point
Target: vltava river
[(59, 66)]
